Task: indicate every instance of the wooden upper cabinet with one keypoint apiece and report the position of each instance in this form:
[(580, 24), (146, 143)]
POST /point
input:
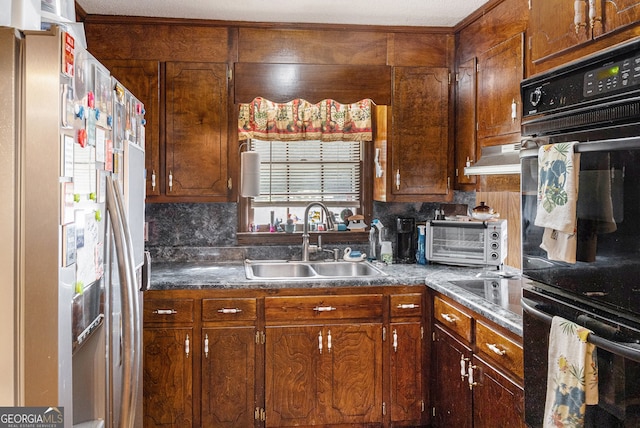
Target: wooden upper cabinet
[(465, 140), (196, 130), (617, 14), (419, 147), (500, 70), (142, 79), (553, 23)]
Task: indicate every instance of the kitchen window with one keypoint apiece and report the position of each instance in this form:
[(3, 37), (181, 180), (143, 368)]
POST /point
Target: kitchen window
[(295, 173), (306, 157)]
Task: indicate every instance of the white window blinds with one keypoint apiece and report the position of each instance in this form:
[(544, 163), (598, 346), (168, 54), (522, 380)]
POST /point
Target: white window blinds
[(298, 172)]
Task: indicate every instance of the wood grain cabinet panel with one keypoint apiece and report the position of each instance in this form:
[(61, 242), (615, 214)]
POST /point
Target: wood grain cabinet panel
[(452, 397), (465, 120), (420, 131), (418, 152), (500, 71), (320, 375), (196, 130), (497, 400), (553, 23), (228, 376), (142, 79), (168, 377)]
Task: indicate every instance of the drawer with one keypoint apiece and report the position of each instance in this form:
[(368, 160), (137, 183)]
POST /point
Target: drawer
[(168, 310), (452, 318), (366, 306), (406, 305), (229, 309), (500, 349)]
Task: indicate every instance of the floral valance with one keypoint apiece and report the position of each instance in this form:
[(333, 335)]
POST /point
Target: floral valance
[(298, 120)]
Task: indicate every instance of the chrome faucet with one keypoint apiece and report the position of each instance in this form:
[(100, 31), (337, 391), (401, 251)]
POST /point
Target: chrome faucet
[(305, 229)]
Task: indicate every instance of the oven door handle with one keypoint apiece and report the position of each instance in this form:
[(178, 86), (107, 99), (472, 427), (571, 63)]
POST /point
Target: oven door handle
[(617, 348)]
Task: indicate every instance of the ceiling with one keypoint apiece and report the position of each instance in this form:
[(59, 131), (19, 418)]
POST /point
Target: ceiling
[(438, 13)]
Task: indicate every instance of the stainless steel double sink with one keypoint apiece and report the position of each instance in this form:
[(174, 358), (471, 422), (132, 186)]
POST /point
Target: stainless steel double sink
[(298, 270)]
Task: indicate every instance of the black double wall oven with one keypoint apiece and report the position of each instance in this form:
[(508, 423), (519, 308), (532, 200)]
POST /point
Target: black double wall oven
[(595, 102)]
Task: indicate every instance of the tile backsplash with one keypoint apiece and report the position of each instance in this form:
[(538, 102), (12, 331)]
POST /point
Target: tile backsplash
[(207, 231)]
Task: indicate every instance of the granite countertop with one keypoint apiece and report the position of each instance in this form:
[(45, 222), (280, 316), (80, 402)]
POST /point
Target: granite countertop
[(231, 275)]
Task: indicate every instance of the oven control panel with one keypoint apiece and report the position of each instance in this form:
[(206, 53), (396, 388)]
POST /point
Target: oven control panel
[(613, 75), (610, 78)]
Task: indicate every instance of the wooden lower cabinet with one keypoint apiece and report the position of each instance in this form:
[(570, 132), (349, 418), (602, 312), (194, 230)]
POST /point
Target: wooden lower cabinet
[(476, 371), (278, 358), (228, 377), (168, 377), (323, 374), (452, 398)]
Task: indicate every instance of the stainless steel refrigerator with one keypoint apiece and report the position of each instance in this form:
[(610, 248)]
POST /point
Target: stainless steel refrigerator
[(72, 186)]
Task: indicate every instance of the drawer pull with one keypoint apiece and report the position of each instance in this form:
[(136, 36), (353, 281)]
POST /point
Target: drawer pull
[(165, 311), (229, 311), (324, 308), (408, 306), (449, 318), (495, 349)]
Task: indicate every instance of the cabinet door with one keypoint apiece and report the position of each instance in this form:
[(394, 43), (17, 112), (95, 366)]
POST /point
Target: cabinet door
[(452, 396), (228, 376), (351, 375), (196, 130), (320, 375), (292, 375), (465, 141), (168, 377), (420, 130), (617, 14), (407, 395), (141, 78), (500, 71), (497, 401), (552, 27)]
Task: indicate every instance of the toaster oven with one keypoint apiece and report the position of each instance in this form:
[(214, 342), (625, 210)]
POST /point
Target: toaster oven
[(467, 243)]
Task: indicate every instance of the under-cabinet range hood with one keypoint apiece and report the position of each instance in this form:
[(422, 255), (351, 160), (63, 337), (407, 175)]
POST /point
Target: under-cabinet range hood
[(503, 159)]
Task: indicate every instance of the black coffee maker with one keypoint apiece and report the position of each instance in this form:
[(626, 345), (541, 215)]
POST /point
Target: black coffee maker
[(406, 239)]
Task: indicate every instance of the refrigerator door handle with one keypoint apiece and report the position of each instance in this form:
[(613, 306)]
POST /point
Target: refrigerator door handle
[(130, 305)]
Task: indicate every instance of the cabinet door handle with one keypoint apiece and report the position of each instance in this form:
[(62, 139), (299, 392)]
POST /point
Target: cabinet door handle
[(153, 180), (578, 15), (229, 310), (324, 308), (463, 367), (448, 318), (408, 306), (165, 311), (170, 181), (395, 340), (495, 349), (592, 14), (320, 342), (472, 383), (186, 346), (329, 341), (206, 346), (514, 110), (398, 179)]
